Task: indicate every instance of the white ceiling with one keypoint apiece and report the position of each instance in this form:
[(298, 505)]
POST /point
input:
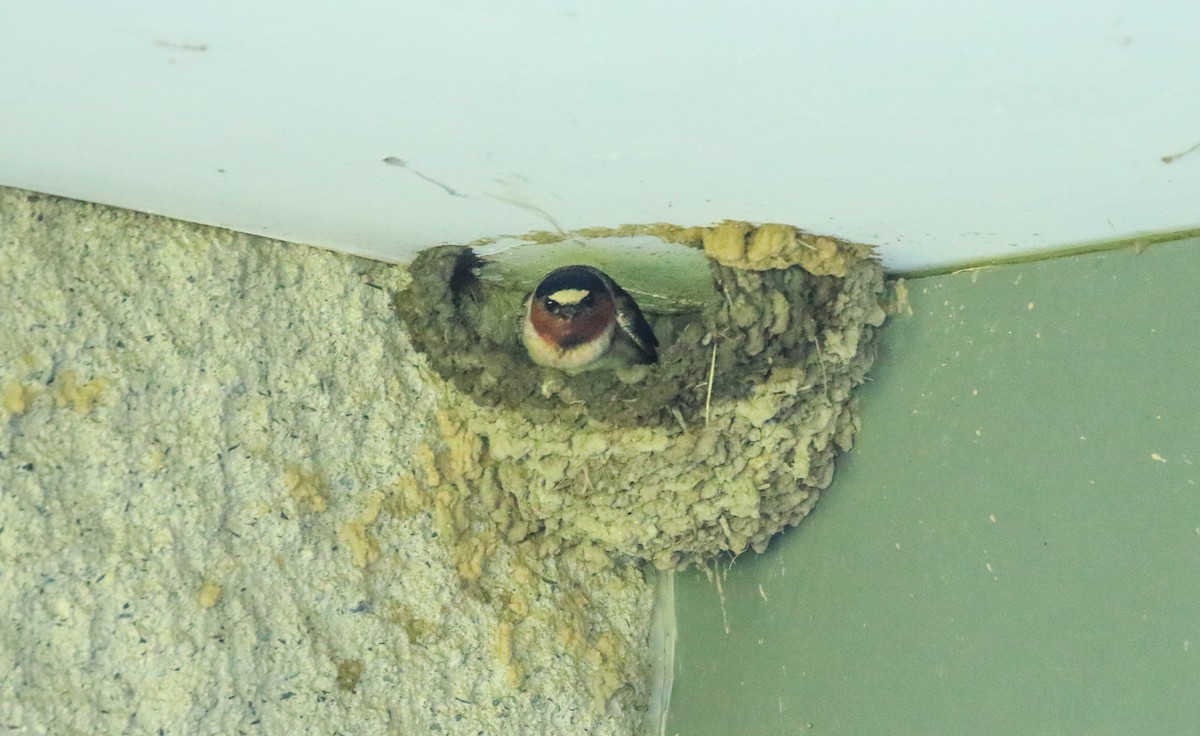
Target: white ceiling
[(942, 131)]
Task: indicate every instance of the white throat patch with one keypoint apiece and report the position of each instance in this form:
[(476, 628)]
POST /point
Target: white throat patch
[(569, 296)]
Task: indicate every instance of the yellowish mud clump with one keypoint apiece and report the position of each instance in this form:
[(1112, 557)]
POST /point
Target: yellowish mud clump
[(726, 441), (504, 558)]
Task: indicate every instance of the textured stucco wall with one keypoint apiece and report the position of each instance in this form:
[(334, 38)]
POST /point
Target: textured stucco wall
[(200, 434)]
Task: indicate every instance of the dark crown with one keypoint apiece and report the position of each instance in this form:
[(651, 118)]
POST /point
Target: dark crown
[(570, 277)]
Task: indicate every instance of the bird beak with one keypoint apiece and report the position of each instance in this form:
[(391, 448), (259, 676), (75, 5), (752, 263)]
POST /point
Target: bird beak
[(570, 311)]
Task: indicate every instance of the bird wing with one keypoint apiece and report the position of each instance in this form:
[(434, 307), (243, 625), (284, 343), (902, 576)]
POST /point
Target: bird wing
[(633, 323)]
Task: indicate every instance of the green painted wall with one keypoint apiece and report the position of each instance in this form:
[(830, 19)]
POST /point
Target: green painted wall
[(1013, 547)]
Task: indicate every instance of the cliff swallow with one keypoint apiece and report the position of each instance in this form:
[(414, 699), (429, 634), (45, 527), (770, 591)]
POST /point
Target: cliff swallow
[(577, 314)]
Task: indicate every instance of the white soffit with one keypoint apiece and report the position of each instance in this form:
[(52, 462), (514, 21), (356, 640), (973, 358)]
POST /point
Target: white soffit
[(941, 131)]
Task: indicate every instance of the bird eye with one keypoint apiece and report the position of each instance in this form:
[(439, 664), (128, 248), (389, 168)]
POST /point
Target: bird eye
[(551, 304)]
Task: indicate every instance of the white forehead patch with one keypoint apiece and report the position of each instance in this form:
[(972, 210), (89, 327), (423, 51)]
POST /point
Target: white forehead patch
[(569, 296)]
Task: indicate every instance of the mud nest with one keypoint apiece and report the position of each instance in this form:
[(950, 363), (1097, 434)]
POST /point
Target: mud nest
[(723, 443)]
